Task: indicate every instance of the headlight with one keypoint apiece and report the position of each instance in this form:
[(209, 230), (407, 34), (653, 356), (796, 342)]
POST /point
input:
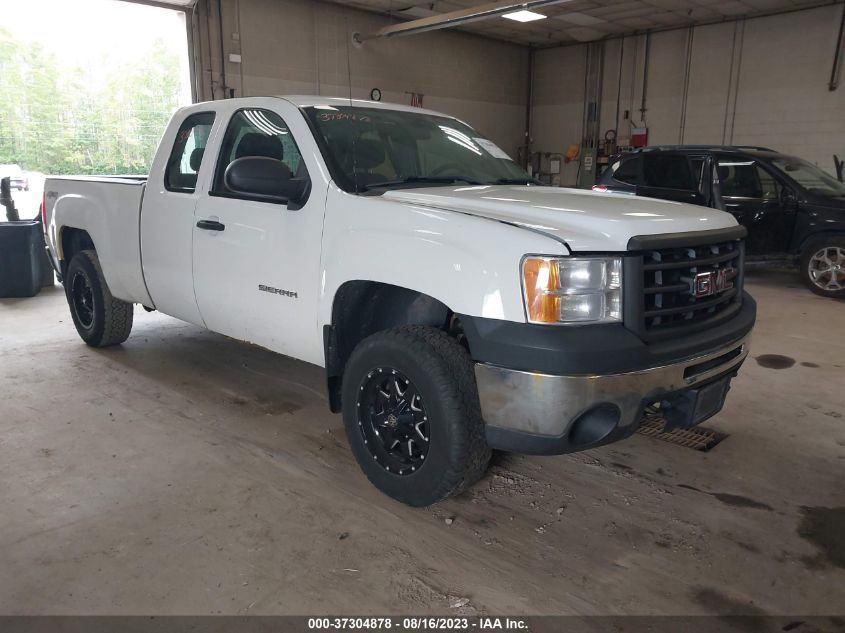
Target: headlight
[(572, 290)]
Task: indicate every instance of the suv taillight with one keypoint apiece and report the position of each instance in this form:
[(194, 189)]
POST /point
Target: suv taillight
[(601, 188), (44, 212)]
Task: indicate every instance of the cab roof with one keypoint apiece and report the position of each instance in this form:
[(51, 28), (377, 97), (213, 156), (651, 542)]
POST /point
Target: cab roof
[(305, 101)]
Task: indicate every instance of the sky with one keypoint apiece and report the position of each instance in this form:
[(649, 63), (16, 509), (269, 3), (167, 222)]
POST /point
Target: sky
[(93, 32)]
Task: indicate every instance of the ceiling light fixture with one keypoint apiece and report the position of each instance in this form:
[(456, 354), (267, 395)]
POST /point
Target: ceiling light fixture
[(524, 16), (460, 17)]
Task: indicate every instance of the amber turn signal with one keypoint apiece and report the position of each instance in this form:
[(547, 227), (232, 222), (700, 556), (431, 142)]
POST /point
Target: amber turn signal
[(541, 282)]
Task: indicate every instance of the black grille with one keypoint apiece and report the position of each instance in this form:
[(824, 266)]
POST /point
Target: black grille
[(678, 290)]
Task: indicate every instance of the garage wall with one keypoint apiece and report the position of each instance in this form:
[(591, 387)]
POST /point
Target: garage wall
[(304, 47), (762, 81), (558, 105)]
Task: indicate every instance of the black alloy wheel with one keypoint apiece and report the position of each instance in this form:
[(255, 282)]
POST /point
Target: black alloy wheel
[(412, 414), (393, 421), (82, 299)]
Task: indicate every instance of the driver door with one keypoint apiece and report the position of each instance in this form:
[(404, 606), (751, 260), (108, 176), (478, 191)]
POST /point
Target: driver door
[(256, 261), (756, 199)]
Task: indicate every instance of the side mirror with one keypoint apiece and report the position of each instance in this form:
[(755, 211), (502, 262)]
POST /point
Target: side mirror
[(265, 178), (788, 197)]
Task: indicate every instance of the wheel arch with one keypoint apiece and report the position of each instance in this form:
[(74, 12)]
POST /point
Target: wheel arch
[(71, 241), (361, 308), (812, 237)]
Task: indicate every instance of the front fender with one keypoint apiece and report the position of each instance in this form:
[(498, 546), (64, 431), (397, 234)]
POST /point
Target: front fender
[(470, 264)]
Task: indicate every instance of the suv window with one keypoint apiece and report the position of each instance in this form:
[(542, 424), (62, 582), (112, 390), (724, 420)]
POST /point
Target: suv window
[(186, 156), (628, 171), (255, 132), (697, 163), (743, 178), (668, 171)]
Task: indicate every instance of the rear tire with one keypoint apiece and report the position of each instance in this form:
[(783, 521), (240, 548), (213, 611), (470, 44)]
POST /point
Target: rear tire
[(412, 416), (823, 266), (100, 319)]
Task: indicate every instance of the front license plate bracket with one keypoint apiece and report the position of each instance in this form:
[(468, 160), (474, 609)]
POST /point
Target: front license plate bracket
[(693, 406)]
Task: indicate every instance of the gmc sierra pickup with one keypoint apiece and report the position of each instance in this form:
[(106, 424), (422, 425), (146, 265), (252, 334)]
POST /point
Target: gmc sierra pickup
[(455, 305)]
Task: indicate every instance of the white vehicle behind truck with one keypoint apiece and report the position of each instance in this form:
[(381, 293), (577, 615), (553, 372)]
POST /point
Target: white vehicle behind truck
[(455, 305)]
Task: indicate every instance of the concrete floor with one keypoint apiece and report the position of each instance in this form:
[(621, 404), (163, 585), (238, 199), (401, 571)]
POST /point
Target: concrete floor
[(186, 473)]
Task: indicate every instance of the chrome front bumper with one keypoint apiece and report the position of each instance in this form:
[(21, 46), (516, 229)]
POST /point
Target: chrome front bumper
[(548, 406)]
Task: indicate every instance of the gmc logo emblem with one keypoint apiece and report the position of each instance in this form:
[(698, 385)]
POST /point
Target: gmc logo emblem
[(707, 284)]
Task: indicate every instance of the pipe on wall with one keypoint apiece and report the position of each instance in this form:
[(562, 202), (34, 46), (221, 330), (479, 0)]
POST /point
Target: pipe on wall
[(645, 78), (209, 39), (685, 95), (528, 107), (224, 86), (729, 90), (740, 33), (619, 84), (194, 50), (634, 64), (837, 55)]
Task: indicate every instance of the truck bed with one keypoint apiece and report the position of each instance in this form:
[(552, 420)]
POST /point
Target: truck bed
[(108, 208)]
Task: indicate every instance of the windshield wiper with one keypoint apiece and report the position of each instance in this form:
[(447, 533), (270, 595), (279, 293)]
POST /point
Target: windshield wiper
[(424, 179), (515, 181)]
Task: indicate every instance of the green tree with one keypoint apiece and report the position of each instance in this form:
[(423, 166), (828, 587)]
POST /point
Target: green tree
[(61, 119), (9, 74)]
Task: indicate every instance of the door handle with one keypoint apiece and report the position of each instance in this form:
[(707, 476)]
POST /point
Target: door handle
[(211, 225)]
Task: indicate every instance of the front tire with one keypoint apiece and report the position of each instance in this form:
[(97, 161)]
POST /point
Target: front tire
[(412, 416), (100, 319), (823, 266)]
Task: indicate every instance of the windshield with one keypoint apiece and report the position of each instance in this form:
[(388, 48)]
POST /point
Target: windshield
[(373, 149), (811, 177)]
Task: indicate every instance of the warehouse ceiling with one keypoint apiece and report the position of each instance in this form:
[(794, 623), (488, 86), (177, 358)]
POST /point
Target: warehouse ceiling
[(587, 20), (165, 4)]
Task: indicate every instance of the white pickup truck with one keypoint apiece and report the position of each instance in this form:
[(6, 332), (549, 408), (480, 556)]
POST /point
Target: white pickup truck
[(456, 305)]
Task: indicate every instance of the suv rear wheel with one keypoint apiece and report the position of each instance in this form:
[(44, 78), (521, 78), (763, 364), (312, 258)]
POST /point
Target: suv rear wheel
[(412, 416), (823, 266)]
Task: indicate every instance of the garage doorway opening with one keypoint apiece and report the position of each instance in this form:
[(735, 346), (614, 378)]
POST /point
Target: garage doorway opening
[(87, 87)]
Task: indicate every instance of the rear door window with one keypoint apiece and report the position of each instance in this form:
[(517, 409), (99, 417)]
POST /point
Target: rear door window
[(187, 154), (628, 171), (668, 171)]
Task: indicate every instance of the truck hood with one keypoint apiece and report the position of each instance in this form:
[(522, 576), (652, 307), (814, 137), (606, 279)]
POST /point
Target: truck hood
[(583, 220)]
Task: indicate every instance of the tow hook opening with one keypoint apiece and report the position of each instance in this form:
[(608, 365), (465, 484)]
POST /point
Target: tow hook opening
[(594, 425)]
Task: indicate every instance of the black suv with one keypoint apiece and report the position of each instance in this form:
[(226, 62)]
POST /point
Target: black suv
[(793, 210)]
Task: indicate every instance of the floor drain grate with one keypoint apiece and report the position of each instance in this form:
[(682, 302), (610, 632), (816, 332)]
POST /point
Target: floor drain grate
[(697, 437)]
